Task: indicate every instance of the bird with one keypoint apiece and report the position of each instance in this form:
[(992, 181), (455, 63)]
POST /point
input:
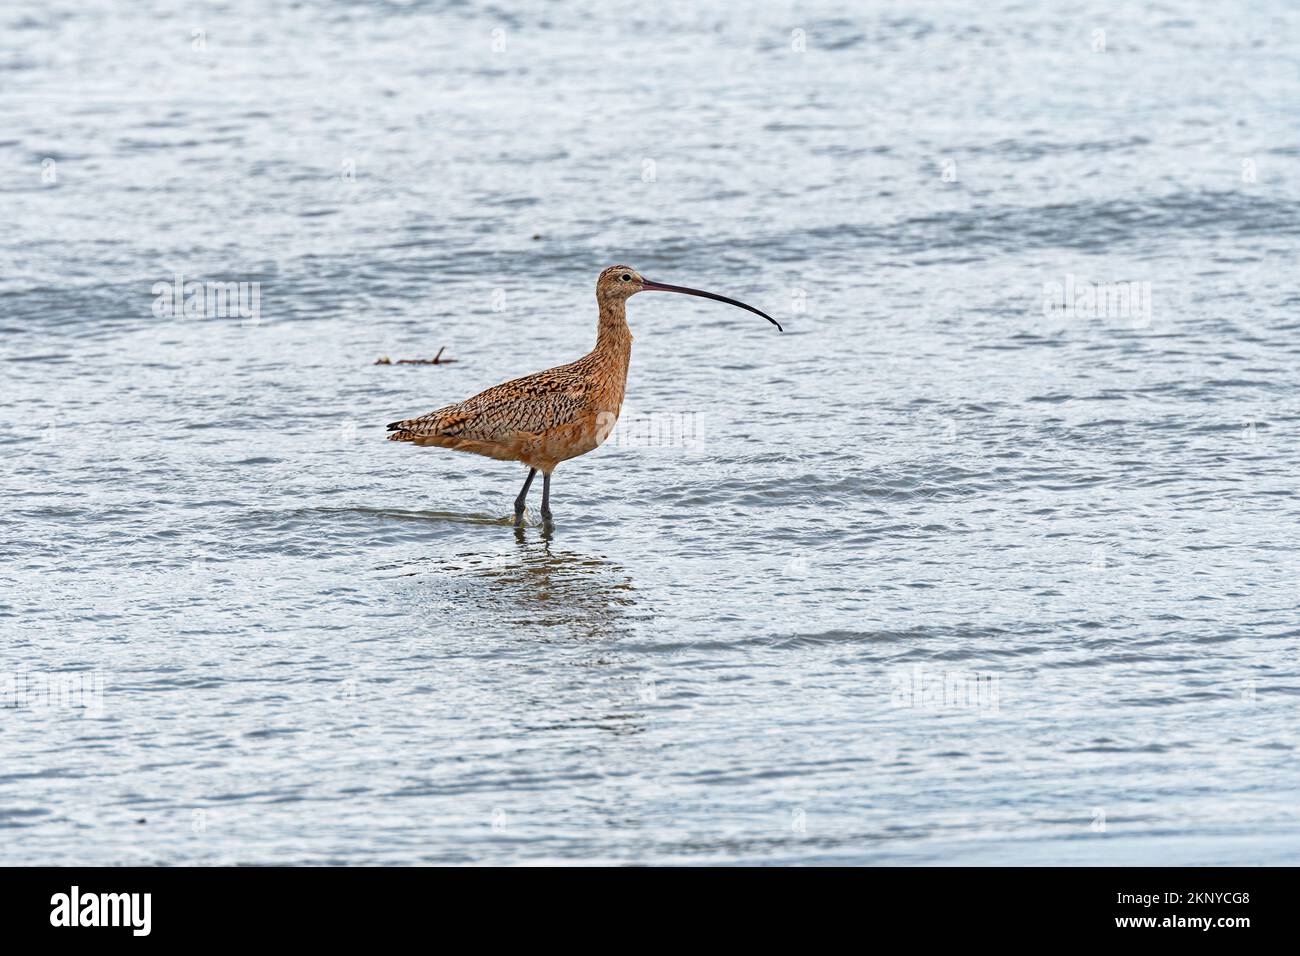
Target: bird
[(548, 417)]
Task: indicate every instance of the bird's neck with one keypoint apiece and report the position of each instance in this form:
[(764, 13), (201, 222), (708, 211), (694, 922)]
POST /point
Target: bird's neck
[(610, 358), (613, 337)]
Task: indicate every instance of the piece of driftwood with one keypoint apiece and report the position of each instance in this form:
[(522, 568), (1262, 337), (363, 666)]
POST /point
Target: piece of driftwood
[(436, 360)]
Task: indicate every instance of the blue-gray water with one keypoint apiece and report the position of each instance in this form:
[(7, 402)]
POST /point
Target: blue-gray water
[(940, 575)]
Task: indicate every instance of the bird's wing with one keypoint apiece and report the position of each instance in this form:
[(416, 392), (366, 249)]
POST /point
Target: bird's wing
[(534, 403)]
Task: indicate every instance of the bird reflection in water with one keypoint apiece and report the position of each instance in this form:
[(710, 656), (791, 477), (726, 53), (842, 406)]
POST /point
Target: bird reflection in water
[(536, 585)]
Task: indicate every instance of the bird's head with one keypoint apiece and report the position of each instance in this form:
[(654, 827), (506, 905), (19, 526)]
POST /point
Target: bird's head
[(618, 283)]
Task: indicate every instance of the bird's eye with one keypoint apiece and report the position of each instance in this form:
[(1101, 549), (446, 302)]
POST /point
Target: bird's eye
[(626, 278)]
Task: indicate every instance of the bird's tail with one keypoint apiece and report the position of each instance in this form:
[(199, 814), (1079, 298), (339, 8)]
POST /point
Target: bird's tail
[(398, 431)]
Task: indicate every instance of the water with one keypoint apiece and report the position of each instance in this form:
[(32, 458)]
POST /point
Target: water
[(937, 576)]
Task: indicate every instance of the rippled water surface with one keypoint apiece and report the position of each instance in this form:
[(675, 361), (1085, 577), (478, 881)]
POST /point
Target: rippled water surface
[(940, 575)]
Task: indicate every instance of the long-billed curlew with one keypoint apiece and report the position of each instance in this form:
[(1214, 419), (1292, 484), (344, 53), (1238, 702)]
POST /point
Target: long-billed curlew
[(549, 417)]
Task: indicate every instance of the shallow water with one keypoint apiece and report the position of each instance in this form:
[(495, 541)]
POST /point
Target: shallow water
[(937, 576)]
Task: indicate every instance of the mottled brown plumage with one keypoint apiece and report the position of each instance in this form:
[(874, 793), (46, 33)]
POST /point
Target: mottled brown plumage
[(549, 417)]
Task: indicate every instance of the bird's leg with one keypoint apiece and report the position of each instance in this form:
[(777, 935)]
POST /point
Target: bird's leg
[(546, 502), (523, 496)]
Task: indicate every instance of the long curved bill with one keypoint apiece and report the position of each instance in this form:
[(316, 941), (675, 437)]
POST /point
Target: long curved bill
[(649, 286)]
